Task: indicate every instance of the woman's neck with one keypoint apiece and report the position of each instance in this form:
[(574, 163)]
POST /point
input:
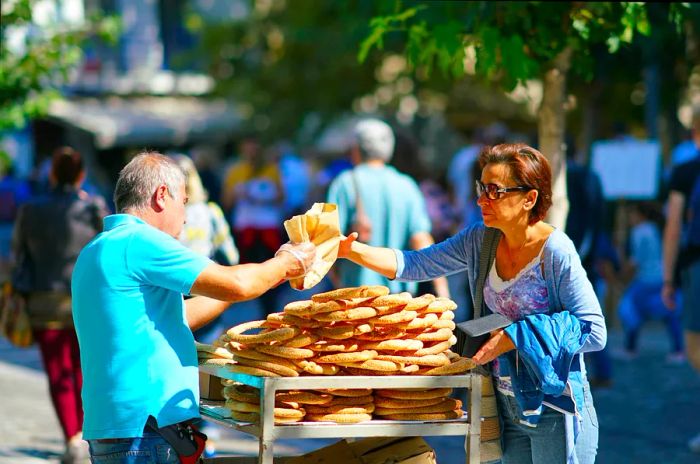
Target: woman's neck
[(518, 236)]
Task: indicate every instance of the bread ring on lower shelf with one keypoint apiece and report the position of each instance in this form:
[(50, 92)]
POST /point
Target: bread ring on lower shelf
[(393, 403), (304, 397), (366, 408), (447, 404), (347, 392), (350, 400), (448, 415), (339, 418), (234, 392), (215, 362), (413, 394)]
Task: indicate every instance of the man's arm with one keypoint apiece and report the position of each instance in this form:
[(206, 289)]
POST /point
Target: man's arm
[(421, 240), (672, 235), (243, 282)]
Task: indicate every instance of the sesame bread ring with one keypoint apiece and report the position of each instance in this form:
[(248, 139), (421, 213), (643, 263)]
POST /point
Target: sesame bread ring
[(374, 365), (215, 362), (393, 403), (381, 333), (317, 369), (447, 316), (245, 416), (351, 292), (301, 322), (447, 404), (242, 406), (398, 344), (367, 372), (361, 312), (394, 318), (339, 418), (386, 310), (236, 334), (301, 340), (396, 299), (347, 392), (440, 305), (269, 366), (455, 367), (413, 394), (444, 324), (410, 369), (252, 354), (289, 413), (350, 400), (298, 308), (285, 351), (449, 415), (366, 408), (337, 332), (439, 335), (452, 355), (435, 348), (433, 360), (233, 392), (241, 369), (337, 358), (350, 303), (304, 397), (287, 420), (343, 346), (419, 323), (419, 303), (218, 351)]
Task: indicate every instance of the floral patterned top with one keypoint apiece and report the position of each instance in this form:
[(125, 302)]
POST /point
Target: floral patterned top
[(516, 298)]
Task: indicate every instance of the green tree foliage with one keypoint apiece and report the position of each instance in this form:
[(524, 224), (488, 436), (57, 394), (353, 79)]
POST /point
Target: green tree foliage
[(30, 75)]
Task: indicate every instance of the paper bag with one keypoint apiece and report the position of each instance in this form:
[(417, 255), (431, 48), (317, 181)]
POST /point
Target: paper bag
[(319, 225)]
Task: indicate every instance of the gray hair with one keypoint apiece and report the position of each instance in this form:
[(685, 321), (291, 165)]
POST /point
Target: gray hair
[(142, 176), (375, 139)]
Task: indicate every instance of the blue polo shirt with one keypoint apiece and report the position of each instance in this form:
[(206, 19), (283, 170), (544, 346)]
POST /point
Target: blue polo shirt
[(137, 352)]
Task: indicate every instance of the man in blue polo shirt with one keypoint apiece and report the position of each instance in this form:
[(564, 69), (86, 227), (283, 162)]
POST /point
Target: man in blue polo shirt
[(135, 330)]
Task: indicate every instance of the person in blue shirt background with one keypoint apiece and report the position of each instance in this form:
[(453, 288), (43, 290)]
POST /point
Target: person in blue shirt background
[(134, 328)]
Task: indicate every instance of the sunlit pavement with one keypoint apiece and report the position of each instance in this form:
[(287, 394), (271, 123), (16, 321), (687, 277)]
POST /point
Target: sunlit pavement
[(647, 416)]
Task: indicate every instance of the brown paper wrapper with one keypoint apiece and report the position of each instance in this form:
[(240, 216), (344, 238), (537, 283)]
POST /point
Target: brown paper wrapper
[(319, 225)]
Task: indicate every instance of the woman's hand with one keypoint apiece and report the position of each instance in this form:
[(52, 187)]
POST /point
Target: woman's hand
[(346, 245), (495, 346)]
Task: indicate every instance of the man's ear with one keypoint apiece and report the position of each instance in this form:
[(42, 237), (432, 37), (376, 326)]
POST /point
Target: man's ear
[(531, 199), (159, 198)]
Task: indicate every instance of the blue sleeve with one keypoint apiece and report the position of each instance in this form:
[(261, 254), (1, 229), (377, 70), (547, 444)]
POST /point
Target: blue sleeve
[(577, 296), (158, 259), (444, 258)]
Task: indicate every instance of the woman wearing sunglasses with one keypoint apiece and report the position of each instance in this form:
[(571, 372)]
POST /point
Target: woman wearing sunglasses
[(535, 278)]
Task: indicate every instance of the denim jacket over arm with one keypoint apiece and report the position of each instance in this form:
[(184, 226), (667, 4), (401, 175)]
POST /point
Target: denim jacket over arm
[(571, 300)]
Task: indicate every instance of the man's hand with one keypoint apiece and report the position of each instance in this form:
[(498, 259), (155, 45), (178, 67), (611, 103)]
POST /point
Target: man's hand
[(298, 256), (346, 245), (495, 346)]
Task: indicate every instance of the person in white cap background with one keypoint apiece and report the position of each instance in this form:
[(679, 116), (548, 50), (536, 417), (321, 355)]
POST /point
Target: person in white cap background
[(383, 205)]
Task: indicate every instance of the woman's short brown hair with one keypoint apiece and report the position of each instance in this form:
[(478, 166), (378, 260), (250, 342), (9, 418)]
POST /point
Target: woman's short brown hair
[(528, 167), (67, 165)]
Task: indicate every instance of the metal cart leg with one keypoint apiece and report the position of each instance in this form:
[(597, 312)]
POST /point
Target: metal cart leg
[(472, 443), (267, 424)]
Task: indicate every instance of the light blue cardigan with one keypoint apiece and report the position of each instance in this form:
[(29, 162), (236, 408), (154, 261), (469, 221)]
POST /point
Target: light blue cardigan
[(568, 287)]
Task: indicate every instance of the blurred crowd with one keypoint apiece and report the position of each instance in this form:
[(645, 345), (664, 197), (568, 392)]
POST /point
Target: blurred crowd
[(237, 206)]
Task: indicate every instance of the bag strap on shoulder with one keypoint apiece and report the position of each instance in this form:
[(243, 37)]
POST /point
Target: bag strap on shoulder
[(487, 254)]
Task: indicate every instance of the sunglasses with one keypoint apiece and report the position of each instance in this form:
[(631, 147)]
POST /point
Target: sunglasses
[(494, 192)]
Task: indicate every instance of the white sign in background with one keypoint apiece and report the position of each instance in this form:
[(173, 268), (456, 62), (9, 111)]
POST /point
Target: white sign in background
[(628, 169)]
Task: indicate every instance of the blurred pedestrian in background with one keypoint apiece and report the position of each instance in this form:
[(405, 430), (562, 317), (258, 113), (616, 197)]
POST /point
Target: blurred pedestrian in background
[(49, 233), (383, 205), (681, 249), (252, 195), (13, 193), (641, 300)]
